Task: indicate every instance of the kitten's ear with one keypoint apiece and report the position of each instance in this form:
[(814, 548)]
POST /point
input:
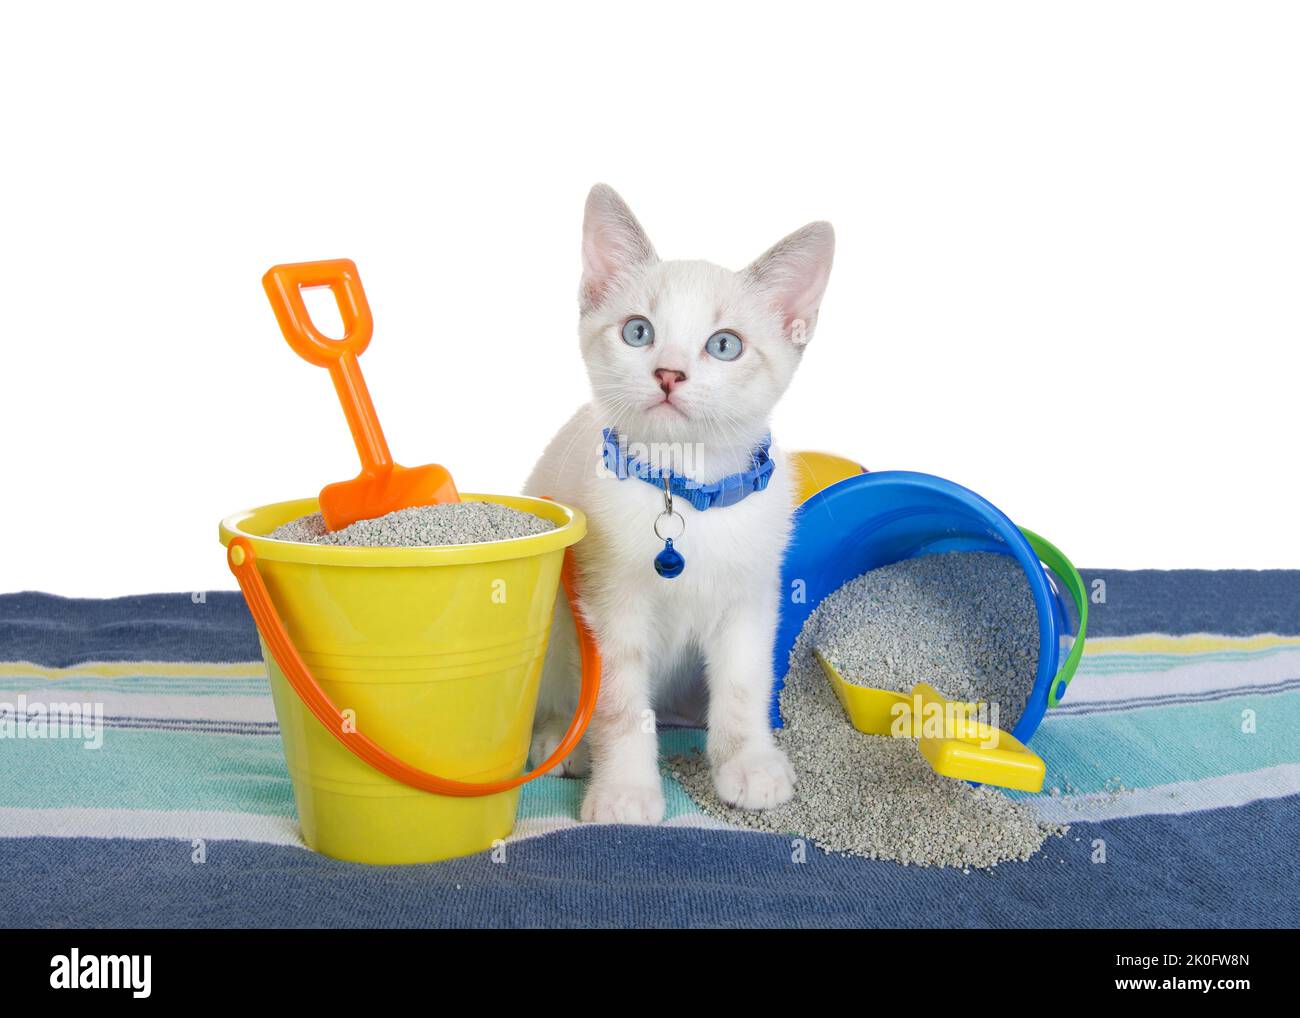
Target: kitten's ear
[(612, 243), (793, 274)]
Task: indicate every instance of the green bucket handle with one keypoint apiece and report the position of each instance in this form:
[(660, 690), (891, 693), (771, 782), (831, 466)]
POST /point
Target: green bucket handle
[(1052, 557)]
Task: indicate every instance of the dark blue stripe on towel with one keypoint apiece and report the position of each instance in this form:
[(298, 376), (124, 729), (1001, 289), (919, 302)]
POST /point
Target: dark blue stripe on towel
[(62, 631), (59, 631), (1221, 868), (1233, 602)]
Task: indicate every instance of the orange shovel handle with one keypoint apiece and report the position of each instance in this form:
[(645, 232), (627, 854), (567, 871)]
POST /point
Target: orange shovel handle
[(284, 285), (243, 564)]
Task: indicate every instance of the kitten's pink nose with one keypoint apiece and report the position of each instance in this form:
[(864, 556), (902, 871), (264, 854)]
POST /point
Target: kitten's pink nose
[(669, 379)]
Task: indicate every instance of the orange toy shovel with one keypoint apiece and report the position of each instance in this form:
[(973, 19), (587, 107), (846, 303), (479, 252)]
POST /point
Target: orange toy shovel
[(382, 486)]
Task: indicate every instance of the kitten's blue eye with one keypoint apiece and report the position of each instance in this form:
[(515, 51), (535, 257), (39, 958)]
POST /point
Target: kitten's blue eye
[(638, 332), (725, 346)]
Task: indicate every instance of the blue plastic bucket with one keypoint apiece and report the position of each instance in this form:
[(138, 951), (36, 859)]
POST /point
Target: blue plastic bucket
[(873, 520)]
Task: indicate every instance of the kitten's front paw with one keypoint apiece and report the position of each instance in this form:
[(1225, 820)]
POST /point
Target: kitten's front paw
[(545, 739), (613, 803), (755, 779)]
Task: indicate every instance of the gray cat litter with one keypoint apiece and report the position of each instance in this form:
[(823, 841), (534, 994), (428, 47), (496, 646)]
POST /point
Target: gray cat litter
[(966, 623), (421, 526)]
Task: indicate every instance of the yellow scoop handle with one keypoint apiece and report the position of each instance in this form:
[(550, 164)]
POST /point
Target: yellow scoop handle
[(950, 735)]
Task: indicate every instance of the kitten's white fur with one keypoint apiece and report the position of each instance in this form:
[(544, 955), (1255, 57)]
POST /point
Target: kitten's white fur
[(716, 622)]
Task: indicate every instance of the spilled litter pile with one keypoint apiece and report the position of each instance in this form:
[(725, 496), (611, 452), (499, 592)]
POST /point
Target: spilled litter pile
[(966, 623)]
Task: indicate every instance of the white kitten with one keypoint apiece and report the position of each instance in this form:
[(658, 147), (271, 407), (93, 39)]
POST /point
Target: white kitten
[(666, 642)]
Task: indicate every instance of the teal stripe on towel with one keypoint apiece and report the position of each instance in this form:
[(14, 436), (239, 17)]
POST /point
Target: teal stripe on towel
[(562, 797), (138, 769), (1163, 744), (1202, 740), (173, 770), (550, 797), (679, 742)]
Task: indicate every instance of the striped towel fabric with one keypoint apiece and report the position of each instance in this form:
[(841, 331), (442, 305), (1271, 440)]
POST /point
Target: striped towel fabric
[(1175, 751)]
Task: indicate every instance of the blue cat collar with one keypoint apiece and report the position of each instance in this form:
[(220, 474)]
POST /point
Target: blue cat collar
[(718, 495)]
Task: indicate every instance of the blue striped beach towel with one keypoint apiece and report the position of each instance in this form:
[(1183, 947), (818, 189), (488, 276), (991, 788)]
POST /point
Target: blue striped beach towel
[(1188, 697)]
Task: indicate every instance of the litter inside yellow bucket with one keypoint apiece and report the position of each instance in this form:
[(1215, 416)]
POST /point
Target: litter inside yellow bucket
[(955, 742), (436, 653)]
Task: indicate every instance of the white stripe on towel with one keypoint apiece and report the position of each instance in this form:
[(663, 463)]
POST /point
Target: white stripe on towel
[(186, 825), (1197, 676), (1178, 797)]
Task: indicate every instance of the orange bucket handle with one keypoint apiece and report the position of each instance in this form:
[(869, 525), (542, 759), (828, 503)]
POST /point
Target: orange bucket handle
[(243, 564)]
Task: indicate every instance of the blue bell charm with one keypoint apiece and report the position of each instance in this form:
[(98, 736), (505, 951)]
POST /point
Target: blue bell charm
[(669, 562)]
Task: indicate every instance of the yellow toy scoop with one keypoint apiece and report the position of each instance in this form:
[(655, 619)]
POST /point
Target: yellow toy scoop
[(951, 737)]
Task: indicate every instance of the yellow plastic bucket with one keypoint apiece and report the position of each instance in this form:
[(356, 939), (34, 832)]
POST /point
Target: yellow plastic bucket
[(434, 653)]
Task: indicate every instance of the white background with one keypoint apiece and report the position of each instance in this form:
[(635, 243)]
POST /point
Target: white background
[(1069, 246)]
